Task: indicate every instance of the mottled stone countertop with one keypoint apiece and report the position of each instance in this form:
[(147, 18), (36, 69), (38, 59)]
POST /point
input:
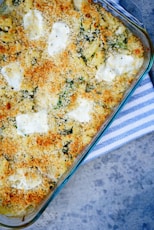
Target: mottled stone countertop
[(115, 191)]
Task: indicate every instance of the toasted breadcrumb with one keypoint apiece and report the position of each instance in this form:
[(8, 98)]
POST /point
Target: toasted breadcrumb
[(32, 162)]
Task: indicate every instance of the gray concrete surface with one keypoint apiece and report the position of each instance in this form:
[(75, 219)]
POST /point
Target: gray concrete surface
[(115, 191)]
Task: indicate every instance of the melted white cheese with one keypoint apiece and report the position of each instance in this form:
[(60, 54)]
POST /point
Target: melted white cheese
[(13, 74), (58, 38), (105, 73), (82, 112), (117, 65), (78, 4), (32, 123), (25, 179), (120, 30), (33, 24), (121, 63)]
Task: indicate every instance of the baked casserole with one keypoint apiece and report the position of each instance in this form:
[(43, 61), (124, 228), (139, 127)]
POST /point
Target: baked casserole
[(64, 67)]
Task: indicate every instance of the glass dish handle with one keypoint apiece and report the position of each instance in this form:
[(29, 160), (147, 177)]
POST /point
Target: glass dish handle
[(128, 8)]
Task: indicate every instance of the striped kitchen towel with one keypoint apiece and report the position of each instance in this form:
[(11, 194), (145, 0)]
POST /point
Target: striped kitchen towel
[(133, 121)]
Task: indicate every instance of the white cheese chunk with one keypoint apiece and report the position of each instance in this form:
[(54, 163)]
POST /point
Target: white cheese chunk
[(25, 179), (82, 112), (13, 74), (78, 4), (120, 30), (58, 38), (105, 73), (121, 63), (117, 65), (33, 24), (32, 123)]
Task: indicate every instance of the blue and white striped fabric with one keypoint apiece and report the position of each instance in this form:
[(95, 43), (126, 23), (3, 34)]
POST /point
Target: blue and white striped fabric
[(133, 121)]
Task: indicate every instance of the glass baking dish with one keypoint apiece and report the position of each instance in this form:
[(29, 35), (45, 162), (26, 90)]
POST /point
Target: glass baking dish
[(132, 24)]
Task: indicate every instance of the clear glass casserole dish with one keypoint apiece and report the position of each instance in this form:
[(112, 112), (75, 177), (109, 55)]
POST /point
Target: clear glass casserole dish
[(24, 220)]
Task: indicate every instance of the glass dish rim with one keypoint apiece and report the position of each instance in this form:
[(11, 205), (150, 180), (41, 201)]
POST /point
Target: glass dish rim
[(99, 135)]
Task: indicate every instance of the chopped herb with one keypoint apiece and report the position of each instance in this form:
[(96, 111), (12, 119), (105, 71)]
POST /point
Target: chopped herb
[(67, 131), (65, 94), (34, 61), (65, 149), (3, 7), (17, 2), (81, 79), (118, 42), (70, 83), (3, 58), (29, 94), (2, 128), (89, 87), (84, 59)]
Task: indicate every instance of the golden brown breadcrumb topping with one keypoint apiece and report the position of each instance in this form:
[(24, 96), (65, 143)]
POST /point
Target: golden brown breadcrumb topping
[(60, 79)]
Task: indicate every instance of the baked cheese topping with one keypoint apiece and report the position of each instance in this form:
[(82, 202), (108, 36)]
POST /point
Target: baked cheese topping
[(25, 179), (32, 123), (58, 38), (117, 65), (64, 68), (82, 112), (33, 24), (13, 74)]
